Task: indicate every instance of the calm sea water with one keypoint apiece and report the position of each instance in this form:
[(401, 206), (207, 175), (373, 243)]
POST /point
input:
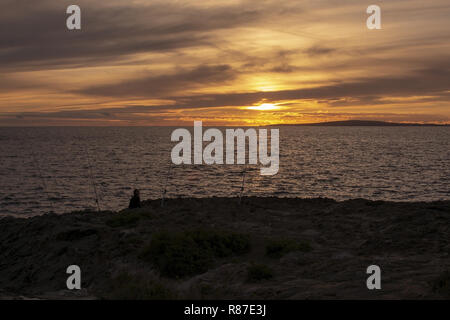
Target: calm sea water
[(44, 169)]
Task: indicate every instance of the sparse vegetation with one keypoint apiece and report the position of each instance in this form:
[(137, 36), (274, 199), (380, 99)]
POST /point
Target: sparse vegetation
[(442, 284), (128, 218), (259, 272), (75, 234), (129, 287), (222, 244), (280, 247), (187, 253)]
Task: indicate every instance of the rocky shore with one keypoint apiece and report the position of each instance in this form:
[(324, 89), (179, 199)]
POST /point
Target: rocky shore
[(216, 248)]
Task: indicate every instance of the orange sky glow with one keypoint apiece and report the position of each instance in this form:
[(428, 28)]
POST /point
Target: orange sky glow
[(243, 63)]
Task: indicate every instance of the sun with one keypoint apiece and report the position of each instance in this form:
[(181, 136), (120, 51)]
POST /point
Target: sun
[(264, 107)]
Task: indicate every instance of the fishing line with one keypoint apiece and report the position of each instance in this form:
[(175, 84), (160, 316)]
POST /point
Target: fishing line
[(165, 186), (243, 183), (92, 180), (44, 184)]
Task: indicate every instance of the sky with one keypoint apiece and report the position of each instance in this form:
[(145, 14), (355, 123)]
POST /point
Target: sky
[(237, 63)]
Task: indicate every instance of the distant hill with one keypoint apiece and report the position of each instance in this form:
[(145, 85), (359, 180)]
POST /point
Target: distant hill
[(354, 123)]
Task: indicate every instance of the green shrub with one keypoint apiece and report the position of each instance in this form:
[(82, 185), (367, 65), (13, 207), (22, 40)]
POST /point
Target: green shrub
[(278, 248), (222, 244), (128, 287), (442, 284), (191, 252), (75, 234), (127, 218), (259, 272)]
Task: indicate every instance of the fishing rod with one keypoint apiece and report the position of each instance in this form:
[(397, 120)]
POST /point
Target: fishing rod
[(136, 183), (44, 184), (92, 180), (165, 186), (243, 184)]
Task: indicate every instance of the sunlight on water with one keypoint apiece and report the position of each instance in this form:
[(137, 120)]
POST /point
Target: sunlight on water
[(386, 163)]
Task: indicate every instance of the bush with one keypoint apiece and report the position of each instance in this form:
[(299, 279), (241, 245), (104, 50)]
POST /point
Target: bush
[(76, 234), (442, 284), (127, 287), (222, 244), (259, 272), (192, 252), (127, 218), (278, 248)]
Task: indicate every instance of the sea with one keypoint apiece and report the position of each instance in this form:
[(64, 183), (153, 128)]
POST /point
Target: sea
[(64, 169)]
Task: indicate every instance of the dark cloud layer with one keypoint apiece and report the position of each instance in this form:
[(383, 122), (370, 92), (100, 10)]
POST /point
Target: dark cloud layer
[(35, 36), (132, 115), (160, 86), (431, 81)]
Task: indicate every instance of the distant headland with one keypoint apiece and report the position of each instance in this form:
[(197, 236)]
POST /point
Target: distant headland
[(355, 123)]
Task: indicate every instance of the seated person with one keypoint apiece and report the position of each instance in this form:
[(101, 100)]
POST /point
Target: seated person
[(135, 201)]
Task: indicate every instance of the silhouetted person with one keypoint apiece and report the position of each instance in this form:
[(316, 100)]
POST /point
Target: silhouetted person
[(135, 202)]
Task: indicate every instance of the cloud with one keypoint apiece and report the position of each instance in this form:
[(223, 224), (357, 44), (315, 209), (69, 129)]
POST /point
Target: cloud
[(161, 115), (110, 30), (215, 54), (161, 86), (431, 81), (319, 51)]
